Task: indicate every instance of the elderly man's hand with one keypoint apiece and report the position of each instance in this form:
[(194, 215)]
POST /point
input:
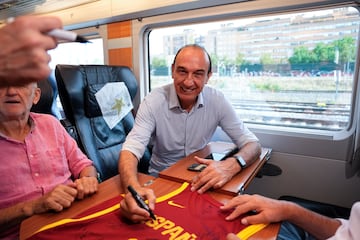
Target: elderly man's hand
[(86, 186)]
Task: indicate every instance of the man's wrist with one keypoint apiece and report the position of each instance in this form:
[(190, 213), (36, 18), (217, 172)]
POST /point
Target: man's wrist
[(28, 210), (240, 161), (97, 176)]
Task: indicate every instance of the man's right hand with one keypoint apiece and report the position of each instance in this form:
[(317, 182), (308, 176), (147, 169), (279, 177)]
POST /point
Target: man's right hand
[(61, 197), (131, 210)]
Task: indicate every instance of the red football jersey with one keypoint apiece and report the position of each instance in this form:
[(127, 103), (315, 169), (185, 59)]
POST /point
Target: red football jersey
[(180, 215)]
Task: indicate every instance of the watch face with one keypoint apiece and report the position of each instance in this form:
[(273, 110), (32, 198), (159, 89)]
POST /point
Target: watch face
[(241, 161)]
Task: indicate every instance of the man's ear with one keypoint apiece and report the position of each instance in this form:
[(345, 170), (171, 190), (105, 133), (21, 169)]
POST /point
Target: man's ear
[(172, 70), (37, 95)]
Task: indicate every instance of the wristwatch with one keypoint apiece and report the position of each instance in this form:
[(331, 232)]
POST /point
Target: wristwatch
[(240, 161)]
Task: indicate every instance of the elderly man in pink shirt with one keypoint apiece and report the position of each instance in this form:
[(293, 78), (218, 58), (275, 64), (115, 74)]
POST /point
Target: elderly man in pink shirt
[(42, 169)]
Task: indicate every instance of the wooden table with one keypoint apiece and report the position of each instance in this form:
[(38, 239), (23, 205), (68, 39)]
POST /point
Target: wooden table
[(111, 188), (107, 190), (179, 173)]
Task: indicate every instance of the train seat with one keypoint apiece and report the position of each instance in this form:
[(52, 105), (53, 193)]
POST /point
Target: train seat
[(82, 90), (47, 103)]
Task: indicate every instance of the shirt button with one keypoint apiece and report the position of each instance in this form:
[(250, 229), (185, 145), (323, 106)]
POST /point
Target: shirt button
[(36, 174)]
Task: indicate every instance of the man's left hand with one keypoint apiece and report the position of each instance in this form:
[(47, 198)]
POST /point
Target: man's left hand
[(215, 175)]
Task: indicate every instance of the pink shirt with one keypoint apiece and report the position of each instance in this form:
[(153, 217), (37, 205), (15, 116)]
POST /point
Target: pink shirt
[(47, 158)]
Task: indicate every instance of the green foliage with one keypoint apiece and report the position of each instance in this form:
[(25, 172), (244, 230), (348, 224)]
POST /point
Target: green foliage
[(240, 59), (324, 57), (324, 53), (226, 61), (302, 55), (345, 47), (266, 59), (214, 59), (158, 62), (272, 87)]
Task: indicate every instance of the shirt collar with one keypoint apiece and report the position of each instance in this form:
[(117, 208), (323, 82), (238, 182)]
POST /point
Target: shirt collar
[(31, 123)]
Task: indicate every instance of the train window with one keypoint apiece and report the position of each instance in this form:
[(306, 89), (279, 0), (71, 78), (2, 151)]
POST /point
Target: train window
[(293, 70), (77, 53)]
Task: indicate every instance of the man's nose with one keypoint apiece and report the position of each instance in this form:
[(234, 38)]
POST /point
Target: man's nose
[(189, 79), (10, 90)]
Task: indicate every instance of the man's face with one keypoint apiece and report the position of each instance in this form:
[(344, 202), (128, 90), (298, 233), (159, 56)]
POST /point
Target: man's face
[(16, 101), (190, 74)]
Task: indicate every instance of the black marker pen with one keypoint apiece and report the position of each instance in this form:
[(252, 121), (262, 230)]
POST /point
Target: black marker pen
[(60, 34), (140, 201)]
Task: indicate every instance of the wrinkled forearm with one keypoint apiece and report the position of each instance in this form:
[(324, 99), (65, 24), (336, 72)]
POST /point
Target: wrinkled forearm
[(13, 215), (250, 152)]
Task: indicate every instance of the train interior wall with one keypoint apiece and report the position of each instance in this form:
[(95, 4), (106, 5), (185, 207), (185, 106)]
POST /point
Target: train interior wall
[(305, 176)]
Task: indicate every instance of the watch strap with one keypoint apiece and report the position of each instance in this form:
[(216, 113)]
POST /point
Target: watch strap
[(240, 161)]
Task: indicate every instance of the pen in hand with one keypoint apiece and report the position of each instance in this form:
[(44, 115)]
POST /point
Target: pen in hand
[(60, 34), (140, 201)]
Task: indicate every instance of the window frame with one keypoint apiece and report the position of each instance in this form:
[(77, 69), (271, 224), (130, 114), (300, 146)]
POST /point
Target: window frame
[(287, 139)]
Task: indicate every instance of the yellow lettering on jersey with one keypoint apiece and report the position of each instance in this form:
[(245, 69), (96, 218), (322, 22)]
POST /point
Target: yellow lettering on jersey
[(175, 234), (169, 227), (186, 236), (152, 223), (166, 224)]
